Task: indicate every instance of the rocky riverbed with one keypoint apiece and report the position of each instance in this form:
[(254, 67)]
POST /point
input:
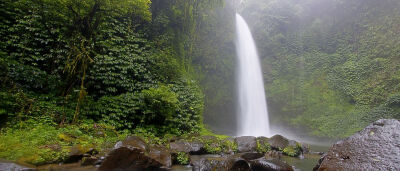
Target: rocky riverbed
[(377, 147)]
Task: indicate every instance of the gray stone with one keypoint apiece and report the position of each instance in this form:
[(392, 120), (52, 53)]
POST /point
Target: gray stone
[(135, 154), (8, 165), (376, 147), (246, 144), (187, 147), (278, 142), (269, 164)]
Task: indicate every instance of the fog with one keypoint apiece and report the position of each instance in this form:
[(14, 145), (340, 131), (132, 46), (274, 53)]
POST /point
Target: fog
[(316, 58)]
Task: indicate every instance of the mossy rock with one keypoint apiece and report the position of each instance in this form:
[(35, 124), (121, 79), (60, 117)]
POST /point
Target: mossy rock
[(212, 145), (65, 137), (292, 151), (262, 145), (228, 145)]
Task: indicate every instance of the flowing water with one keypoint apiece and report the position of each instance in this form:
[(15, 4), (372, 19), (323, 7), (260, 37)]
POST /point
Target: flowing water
[(253, 113)]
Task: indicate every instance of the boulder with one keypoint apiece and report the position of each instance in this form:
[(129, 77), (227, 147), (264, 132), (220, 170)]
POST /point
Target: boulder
[(187, 147), (229, 145), (263, 140), (273, 155), (305, 148), (161, 155), (76, 153), (251, 156), (269, 164), (89, 161), (217, 162), (134, 154), (211, 144), (208, 162), (319, 163), (263, 145), (8, 165), (278, 142), (239, 162), (246, 144), (128, 158), (376, 147), (134, 141)]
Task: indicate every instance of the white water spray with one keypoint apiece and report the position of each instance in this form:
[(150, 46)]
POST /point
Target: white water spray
[(253, 112)]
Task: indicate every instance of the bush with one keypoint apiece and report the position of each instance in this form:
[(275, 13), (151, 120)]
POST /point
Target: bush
[(292, 151), (182, 158), (263, 147)]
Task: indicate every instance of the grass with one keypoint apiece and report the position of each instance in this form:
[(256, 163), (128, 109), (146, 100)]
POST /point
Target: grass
[(42, 144)]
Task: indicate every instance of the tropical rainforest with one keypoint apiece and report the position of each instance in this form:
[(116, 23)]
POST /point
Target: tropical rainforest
[(331, 66), (91, 72)]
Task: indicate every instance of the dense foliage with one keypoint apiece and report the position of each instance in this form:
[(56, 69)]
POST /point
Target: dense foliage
[(332, 66), (125, 63), (70, 69)]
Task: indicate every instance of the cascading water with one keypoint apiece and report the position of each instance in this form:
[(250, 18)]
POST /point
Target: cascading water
[(253, 113)]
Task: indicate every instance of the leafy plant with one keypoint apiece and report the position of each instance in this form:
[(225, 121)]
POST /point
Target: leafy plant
[(182, 158), (292, 151)]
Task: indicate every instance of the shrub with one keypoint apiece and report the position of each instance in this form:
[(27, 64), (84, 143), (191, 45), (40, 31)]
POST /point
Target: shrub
[(263, 147), (182, 158), (292, 151)]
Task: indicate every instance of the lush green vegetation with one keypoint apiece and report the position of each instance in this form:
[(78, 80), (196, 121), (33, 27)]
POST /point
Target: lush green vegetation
[(88, 73), (70, 66), (38, 143), (331, 66)]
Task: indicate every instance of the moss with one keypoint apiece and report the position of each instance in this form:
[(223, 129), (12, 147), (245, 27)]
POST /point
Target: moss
[(263, 147), (292, 151), (43, 144), (206, 132), (212, 147), (182, 158), (229, 146)]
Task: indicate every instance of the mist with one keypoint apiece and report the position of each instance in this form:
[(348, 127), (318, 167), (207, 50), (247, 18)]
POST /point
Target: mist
[(321, 62)]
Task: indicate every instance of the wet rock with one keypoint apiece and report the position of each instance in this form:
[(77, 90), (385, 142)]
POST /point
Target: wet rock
[(278, 142), (99, 161), (269, 164), (273, 155), (239, 162), (240, 165), (246, 144), (118, 144), (134, 154), (319, 163), (136, 142), (187, 147), (208, 162), (305, 148), (161, 155), (128, 158), (89, 161), (8, 165), (263, 140), (217, 162), (251, 156), (76, 153), (376, 147)]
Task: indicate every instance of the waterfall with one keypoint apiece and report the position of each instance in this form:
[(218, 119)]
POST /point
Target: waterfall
[(253, 113)]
